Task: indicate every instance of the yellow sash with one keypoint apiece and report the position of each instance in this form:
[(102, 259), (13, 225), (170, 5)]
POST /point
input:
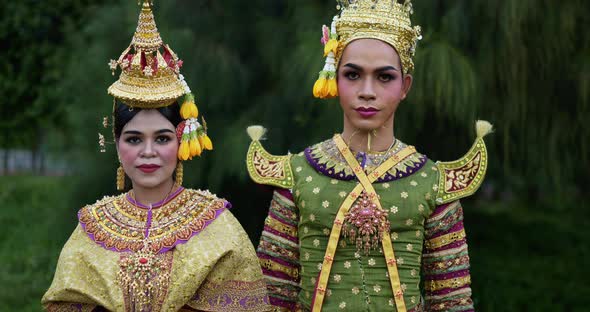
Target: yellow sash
[(366, 185)]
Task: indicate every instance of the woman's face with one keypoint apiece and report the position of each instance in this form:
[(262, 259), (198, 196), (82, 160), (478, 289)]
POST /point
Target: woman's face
[(370, 84), (147, 149)]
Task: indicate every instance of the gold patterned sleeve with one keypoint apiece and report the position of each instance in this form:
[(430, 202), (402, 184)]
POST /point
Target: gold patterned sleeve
[(84, 278), (235, 281)]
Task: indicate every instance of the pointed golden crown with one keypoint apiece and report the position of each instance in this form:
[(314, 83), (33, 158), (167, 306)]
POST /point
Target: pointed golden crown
[(385, 20), (150, 70)]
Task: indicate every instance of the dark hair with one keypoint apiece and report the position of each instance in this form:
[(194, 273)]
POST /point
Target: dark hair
[(124, 113)]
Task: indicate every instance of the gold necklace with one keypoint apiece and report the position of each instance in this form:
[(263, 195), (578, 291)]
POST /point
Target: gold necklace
[(144, 274)]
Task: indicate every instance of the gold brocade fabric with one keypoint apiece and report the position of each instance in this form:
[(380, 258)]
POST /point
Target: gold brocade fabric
[(215, 270)]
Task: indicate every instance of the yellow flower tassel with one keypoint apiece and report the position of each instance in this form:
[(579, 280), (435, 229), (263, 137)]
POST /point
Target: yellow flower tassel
[(319, 87), (332, 88), (331, 46), (184, 150), (195, 147), (206, 142), (189, 108)]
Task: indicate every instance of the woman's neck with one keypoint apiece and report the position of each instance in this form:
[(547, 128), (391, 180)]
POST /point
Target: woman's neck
[(153, 195)]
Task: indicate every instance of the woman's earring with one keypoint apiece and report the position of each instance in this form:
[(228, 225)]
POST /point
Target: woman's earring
[(179, 173), (120, 178)]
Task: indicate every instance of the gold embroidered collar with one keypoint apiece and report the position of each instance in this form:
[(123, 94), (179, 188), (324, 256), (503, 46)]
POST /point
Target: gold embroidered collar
[(117, 224)]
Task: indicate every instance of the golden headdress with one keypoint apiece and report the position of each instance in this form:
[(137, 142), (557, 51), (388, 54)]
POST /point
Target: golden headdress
[(150, 78), (385, 20)]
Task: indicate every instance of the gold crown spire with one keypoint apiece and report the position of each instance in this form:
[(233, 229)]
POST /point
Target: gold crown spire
[(150, 70), (146, 35)]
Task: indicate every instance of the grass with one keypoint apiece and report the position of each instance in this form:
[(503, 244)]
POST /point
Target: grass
[(36, 221), (523, 258)]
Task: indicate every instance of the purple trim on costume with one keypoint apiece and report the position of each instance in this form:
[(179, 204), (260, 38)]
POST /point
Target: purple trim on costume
[(446, 290), (228, 205), (285, 193), (440, 208), (158, 204), (277, 233), (183, 241), (218, 212), (278, 302), (274, 216), (452, 245), (446, 276), (275, 259), (279, 275), (387, 177), (455, 228), (363, 160)]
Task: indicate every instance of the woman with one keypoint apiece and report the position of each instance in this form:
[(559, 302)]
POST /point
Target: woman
[(357, 220), (158, 247)]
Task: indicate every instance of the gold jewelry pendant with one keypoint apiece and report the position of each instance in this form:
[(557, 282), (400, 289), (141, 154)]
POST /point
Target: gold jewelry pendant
[(143, 277), (365, 223)]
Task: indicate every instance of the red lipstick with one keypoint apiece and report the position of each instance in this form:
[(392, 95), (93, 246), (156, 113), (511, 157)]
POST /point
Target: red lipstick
[(367, 112), (148, 168)]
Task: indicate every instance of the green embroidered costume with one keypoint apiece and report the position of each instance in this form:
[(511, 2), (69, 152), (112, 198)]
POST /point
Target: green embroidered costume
[(420, 201)]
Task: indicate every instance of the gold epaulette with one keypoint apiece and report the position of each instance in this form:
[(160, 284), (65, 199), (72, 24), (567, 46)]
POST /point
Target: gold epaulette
[(462, 177), (265, 168)]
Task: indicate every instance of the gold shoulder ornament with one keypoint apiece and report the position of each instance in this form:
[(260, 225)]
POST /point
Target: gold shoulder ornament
[(462, 177), (265, 168)]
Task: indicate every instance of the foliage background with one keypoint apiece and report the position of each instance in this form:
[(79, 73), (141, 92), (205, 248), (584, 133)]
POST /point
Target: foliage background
[(524, 65)]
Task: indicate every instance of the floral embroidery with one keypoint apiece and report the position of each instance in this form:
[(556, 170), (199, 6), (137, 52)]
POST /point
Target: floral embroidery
[(377, 288), (298, 169), (342, 194), (371, 262), (337, 278), (413, 183), (308, 179), (404, 195), (316, 190), (393, 209), (325, 204), (355, 290), (347, 264), (386, 185), (342, 305)]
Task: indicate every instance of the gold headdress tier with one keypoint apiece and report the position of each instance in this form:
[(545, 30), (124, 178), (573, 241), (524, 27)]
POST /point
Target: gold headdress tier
[(150, 70), (386, 20)]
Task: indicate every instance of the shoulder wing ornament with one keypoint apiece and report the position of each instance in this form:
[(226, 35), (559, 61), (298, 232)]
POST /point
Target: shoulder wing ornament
[(462, 177), (265, 168)]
